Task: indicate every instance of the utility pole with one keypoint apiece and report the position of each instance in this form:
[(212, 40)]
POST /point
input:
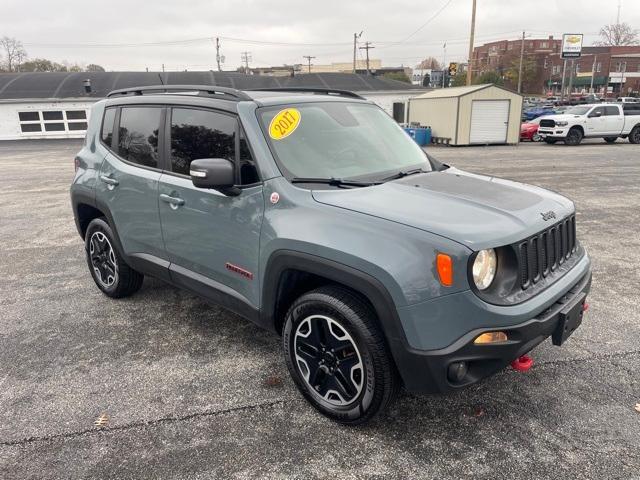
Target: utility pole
[(367, 47), (444, 57), (163, 68), (356, 36), (218, 53), (571, 72), (593, 72), (246, 58), (564, 71), (473, 30), (308, 57), (521, 61)]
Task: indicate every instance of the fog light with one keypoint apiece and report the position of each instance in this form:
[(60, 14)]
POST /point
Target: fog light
[(457, 371), (490, 337)]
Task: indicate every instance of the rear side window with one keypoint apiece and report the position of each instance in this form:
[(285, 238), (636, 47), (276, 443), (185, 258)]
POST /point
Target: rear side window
[(138, 135), (107, 126), (200, 134), (611, 110)]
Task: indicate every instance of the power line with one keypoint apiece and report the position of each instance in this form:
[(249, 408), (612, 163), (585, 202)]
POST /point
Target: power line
[(246, 58), (308, 57), (433, 17), (367, 47)]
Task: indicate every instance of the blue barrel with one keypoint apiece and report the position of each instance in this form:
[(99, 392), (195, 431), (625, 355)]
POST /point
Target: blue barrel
[(421, 135)]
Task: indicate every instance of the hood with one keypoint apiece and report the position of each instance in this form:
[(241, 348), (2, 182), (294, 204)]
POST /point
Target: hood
[(562, 117), (474, 210)]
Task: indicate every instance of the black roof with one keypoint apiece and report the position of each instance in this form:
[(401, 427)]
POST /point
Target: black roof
[(71, 84)]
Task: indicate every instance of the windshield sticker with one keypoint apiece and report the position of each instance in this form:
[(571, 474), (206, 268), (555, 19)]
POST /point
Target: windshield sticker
[(284, 123)]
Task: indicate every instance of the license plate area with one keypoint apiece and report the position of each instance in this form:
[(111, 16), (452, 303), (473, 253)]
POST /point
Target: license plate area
[(569, 320)]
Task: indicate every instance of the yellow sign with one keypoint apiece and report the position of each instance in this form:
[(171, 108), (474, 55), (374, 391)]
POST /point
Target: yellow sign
[(574, 39), (284, 123)]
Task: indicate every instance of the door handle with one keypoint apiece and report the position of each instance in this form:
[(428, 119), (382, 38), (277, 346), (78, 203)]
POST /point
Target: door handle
[(109, 181), (174, 202)]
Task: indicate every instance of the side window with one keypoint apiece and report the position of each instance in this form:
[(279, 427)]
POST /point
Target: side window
[(200, 134), (107, 126), (248, 170), (595, 111), (138, 135), (611, 110)]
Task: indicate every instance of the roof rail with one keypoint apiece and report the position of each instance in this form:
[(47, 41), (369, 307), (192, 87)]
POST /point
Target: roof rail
[(202, 90), (323, 91)]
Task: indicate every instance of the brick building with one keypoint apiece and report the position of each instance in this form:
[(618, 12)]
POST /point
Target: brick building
[(616, 70)]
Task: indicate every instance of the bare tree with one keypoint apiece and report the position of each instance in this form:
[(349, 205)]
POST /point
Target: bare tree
[(618, 34), (14, 51), (430, 63)]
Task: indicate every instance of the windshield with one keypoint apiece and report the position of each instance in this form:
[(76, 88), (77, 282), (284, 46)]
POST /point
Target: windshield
[(339, 140), (577, 110)]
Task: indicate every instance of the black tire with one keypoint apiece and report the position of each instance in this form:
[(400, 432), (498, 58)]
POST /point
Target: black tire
[(574, 137), (550, 141), (108, 269), (610, 139), (372, 378), (634, 136), (536, 137)]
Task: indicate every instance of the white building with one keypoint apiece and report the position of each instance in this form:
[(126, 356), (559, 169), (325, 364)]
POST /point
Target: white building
[(57, 104)]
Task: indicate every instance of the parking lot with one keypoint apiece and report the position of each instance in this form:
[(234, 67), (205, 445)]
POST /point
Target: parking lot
[(192, 391)]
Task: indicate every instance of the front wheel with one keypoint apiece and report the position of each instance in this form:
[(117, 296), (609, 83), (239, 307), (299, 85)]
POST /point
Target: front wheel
[(111, 273), (634, 136), (610, 139), (573, 138), (536, 137), (338, 356)]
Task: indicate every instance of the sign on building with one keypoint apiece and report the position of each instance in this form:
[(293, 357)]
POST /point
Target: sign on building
[(572, 45)]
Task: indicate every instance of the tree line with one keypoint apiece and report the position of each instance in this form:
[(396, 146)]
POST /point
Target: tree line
[(14, 58)]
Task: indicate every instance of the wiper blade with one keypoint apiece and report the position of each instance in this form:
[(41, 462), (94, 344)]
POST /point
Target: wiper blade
[(336, 182), (404, 173)]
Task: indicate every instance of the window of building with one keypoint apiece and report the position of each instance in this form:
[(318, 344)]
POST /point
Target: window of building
[(56, 115), (107, 126), (29, 116), (577, 68), (546, 63), (76, 115), (138, 135), (621, 66), (30, 127), (544, 44), (599, 67), (54, 127), (53, 121)]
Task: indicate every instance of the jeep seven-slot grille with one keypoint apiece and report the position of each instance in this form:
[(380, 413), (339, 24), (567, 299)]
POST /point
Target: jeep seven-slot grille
[(543, 253), (547, 123)]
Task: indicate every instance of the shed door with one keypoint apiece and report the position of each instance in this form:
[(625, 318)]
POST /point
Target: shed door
[(489, 121)]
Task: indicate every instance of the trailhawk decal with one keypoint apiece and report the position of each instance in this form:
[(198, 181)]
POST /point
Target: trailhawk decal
[(284, 123)]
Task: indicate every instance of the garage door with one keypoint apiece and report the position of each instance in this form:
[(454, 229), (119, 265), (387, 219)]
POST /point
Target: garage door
[(489, 121)]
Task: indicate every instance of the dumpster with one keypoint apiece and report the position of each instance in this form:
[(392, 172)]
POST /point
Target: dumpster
[(421, 135)]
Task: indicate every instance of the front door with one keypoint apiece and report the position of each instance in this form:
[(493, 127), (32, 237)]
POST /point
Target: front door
[(212, 239), (596, 122), (128, 181)]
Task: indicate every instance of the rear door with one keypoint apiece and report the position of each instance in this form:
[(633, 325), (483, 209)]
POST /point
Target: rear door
[(212, 239), (614, 119), (128, 186), (489, 121)]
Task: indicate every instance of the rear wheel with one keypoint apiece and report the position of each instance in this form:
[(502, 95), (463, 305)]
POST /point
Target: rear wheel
[(550, 141), (337, 356), (574, 137), (107, 267), (634, 136), (610, 139)]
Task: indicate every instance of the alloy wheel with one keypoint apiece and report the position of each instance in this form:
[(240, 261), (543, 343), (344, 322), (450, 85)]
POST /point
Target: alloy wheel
[(103, 259), (328, 360)]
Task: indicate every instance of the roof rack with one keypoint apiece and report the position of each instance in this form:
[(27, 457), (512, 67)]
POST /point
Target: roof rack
[(322, 91), (202, 90)]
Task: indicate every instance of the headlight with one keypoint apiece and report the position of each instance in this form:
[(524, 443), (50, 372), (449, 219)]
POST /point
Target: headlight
[(484, 268), (562, 124)]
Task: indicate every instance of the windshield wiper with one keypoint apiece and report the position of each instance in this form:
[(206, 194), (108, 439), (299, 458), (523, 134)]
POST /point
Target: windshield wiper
[(404, 173), (335, 182)]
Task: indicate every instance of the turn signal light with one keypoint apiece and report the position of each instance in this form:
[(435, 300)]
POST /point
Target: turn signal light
[(490, 337), (445, 269)]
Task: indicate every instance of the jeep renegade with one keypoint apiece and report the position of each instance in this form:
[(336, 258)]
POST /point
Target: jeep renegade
[(314, 215)]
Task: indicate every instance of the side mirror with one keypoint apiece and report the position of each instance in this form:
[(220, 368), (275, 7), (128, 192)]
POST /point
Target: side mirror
[(215, 173), (595, 114)]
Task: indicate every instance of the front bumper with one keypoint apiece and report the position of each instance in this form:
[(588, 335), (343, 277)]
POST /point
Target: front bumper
[(426, 371), (555, 132)]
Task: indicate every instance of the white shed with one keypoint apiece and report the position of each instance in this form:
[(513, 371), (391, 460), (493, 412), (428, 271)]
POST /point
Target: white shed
[(474, 115)]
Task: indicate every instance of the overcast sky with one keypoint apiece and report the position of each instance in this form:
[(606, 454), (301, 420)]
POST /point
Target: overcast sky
[(111, 33)]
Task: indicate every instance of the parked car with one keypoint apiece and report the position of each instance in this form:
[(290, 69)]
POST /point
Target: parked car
[(536, 112), (608, 120), (628, 100), (314, 215), (529, 130)]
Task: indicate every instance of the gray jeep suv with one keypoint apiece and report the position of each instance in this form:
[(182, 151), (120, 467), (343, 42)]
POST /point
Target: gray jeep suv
[(312, 214)]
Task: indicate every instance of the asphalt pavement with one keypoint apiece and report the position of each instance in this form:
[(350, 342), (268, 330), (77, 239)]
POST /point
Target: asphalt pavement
[(188, 390)]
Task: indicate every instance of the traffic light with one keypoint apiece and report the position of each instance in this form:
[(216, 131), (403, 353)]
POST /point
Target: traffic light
[(453, 69)]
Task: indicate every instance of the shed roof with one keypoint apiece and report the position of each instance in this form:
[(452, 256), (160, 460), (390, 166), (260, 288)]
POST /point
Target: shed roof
[(58, 85), (454, 92)]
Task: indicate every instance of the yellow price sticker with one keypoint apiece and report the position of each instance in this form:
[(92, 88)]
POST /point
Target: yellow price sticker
[(284, 123)]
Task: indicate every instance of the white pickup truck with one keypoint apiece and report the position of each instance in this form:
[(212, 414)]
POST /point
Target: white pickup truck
[(602, 120)]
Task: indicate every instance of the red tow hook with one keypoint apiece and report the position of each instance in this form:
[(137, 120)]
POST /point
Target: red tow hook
[(522, 364)]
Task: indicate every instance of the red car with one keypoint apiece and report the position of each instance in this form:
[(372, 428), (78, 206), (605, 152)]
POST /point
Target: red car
[(529, 130)]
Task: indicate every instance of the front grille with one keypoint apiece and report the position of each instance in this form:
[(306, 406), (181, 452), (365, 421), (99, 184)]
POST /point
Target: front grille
[(542, 254), (547, 123)]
